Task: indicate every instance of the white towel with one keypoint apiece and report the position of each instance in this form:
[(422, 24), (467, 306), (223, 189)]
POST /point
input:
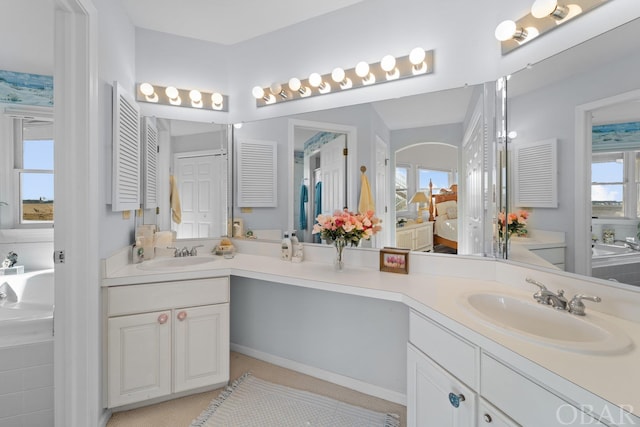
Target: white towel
[(174, 198)]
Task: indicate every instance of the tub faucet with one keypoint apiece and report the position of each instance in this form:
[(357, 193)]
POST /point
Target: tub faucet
[(631, 245)]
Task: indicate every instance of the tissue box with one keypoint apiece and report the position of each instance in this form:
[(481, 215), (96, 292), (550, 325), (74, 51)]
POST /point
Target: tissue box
[(18, 269)]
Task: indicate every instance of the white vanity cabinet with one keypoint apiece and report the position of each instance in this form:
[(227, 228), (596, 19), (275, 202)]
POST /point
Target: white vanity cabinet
[(416, 237), (166, 338), (453, 382)]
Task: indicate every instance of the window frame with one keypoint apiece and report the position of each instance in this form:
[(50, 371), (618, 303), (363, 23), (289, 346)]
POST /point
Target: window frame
[(406, 167), (13, 122), (630, 183)]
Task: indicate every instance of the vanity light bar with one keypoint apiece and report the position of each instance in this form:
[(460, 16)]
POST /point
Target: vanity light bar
[(190, 98), (545, 16), (417, 63)]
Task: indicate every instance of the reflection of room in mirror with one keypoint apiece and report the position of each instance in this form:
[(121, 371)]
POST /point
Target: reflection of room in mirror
[(586, 98)]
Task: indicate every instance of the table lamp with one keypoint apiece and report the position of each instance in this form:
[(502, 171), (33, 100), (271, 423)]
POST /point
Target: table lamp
[(418, 198)]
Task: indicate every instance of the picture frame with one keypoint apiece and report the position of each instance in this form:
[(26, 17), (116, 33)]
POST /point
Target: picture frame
[(394, 260)]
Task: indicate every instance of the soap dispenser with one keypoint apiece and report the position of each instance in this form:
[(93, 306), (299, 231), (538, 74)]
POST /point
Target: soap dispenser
[(296, 248), (286, 249)]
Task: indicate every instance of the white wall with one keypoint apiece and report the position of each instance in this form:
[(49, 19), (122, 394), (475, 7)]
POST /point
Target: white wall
[(549, 112), (361, 338)]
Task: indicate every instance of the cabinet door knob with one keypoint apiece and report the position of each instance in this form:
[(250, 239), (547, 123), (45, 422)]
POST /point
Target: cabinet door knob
[(487, 418), (162, 319), (182, 315), (455, 399)]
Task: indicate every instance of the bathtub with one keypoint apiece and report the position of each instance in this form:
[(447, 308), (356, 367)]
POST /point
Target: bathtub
[(26, 349), (616, 262), (26, 315)]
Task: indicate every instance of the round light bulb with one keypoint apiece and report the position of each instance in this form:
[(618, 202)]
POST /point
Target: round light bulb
[(505, 30), (417, 56), (315, 79), (171, 92), (388, 63), (146, 89), (276, 88), (195, 96), (294, 84), (338, 75), (258, 92), (217, 98), (362, 69), (542, 8)]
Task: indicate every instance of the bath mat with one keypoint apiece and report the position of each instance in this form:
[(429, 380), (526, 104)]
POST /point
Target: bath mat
[(250, 402)]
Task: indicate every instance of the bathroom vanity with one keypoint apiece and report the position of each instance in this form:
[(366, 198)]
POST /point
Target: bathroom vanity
[(165, 338), (463, 366)]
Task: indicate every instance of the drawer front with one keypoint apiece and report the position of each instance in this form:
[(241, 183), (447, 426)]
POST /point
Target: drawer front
[(132, 299), (524, 401), (453, 353)]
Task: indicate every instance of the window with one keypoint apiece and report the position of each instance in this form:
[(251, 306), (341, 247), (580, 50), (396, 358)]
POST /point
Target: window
[(34, 172), (439, 179), (402, 175), (615, 189)]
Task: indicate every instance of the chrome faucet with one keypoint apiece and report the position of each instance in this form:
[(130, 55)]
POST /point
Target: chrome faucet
[(184, 251), (631, 245), (558, 300), (547, 297)]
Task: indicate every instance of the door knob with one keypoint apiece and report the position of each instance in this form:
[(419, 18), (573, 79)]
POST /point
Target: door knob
[(455, 399), (182, 315), (162, 319)]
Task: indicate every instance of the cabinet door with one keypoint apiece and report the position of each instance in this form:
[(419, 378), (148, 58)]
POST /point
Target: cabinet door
[(201, 350), (139, 357), (488, 416), (432, 393), (424, 237), (404, 239)]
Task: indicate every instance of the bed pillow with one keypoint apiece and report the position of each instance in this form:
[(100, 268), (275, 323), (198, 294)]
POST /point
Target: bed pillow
[(441, 208), (452, 212)]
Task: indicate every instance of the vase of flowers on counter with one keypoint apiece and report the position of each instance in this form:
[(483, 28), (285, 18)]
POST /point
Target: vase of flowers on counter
[(346, 228)]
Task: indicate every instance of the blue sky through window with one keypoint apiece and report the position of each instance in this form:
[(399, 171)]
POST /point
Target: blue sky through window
[(37, 154)]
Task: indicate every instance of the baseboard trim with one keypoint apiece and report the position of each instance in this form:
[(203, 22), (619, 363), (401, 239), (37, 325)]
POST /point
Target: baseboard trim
[(104, 418), (341, 380)]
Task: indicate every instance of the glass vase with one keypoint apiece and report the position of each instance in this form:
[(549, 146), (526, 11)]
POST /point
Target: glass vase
[(339, 244)]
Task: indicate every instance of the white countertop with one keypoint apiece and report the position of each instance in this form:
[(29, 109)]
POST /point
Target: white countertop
[(597, 380)]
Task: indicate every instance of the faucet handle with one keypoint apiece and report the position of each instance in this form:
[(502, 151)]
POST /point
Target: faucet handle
[(176, 251), (194, 251), (535, 282), (577, 307)]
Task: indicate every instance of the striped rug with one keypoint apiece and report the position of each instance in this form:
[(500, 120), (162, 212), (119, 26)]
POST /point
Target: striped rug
[(252, 402)]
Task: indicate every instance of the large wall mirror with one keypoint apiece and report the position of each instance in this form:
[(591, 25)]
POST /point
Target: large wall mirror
[(400, 145), (196, 155), (574, 164)]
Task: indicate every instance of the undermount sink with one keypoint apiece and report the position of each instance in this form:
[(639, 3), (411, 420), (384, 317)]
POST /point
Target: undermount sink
[(164, 264), (546, 325)]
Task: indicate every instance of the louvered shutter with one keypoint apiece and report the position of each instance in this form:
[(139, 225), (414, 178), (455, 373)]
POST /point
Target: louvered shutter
[(536, 174), (150, 163), (125, 194), (257, 173)]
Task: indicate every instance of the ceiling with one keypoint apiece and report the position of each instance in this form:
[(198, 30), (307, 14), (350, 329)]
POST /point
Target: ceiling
[(225, 21)]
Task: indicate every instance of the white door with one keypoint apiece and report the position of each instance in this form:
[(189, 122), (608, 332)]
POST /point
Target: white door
[(471, 235), (434, 397), (382, 190), (139, 355), (200, 188), (332, 175), (201, 351)]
